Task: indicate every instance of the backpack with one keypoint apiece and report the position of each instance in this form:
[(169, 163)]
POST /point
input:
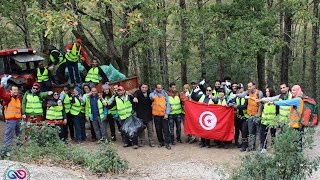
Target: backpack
[(309, 117)]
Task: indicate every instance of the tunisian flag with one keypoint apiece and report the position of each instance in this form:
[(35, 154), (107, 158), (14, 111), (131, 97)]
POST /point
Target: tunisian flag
[(209, 121)]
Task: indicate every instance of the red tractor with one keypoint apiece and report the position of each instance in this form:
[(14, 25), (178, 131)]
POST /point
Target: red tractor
[(20, 64)]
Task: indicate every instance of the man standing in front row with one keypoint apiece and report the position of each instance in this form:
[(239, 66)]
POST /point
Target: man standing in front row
[(160, 112)]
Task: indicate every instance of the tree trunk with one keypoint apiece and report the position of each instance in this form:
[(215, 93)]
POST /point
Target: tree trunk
[(270, 73), (304, 55), (183, 42), (202, 44), (25, 25), (146, 65), (221, 70), (313, 66), (261, 69), (286, 51)]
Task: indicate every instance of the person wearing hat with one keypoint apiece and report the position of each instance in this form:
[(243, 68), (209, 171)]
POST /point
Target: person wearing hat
[(43, 77), (75, 53), (123, 101), (56, 116), (94, 74), (32, 104), (109, 97), (77, 114)]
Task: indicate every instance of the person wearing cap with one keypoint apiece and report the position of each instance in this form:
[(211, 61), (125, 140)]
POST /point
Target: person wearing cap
[(43, 77), (109, 97), (94, 74), (144, 111), (77, 114), (57, 62), (32, 104), (124, 102), (75, 53), (95, 112), (11, 102), (56, 116), (160, 112)]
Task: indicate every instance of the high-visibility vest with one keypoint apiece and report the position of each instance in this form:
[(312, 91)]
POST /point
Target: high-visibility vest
[(175, 105), (215, 93), (44, 76), (240, 102), (269, 114), (295, 115), (88, 108), (113, 110), (93, 75), (124, 107), (253, 106), (159, 105), (54, 113), (74, 54), (12, 111), (33, 105), (61, 58), (284, 111), (223, 102), (66, 103), (202, 99), (76, 107)]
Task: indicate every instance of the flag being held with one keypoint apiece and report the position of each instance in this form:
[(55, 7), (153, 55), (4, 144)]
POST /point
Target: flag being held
[(209, 121)]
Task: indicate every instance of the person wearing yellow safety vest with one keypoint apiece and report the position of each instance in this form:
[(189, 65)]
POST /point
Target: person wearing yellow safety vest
[(75, 53), (242, 117), (67, 104), (11, 102), (77, 114), (237, 126), (207, 99), (143, 109), (94, 73), (254, 110), (124, 103), (32, 104), (109, 97), (43, 77), (96, 112), (56, 116), (268, 121), (217, 85), (284, 111), (175, 113), (57, 62), (87, 93)]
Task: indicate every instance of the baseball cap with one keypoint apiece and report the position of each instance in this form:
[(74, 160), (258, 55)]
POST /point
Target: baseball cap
[(194, 82), (36, 84), (120, 88), (240, 85), (79, 40)]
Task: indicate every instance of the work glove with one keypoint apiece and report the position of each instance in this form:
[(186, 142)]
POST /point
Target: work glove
[(202, 82), (4, 79)]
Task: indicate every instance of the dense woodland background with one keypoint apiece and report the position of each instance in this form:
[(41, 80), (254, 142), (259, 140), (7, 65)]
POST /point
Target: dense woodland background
[(267, 41)]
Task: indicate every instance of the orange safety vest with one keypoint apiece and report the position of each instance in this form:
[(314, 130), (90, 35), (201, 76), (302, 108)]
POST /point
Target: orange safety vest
[(12, 111), (159, 105), (253, 107), (295, 115)]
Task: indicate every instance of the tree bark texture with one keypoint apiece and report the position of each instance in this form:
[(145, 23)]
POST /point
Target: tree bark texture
[(183, 42)]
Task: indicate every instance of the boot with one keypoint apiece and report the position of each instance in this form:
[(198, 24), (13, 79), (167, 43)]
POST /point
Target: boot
[(151, 144), (244, 145), (141, 143)]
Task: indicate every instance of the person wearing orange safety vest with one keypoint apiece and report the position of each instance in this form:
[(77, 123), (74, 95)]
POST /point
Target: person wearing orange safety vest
[(11, 102), (254, 109), (160, 112)]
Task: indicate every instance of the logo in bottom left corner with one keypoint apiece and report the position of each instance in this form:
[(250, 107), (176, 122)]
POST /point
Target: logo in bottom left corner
[(16, 171)]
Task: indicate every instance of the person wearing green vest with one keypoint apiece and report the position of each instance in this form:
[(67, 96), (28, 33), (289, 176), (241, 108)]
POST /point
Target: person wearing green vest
[(56, 116), (32, 104), (43, 77), (124, 103), (175, 113), (65, 97), (112, 112), (95, 112), (77, 114), (94, 73), (217, 85), (268, 121), (57, 63)]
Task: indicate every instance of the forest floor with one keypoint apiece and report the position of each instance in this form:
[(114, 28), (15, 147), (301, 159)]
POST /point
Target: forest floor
[(183, 161)]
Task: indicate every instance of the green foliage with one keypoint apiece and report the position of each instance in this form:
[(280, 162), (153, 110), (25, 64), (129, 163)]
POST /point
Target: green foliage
[(44, 143), (286, 161)]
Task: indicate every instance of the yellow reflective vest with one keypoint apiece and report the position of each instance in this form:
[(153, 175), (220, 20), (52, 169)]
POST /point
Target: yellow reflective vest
[(44, 76), (93, 75), (175, 105)]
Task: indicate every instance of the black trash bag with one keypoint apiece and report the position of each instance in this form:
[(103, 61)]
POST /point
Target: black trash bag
[(132, 127)]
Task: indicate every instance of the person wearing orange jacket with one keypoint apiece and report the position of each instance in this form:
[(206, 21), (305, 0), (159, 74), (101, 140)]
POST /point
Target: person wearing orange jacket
[(11, 102)]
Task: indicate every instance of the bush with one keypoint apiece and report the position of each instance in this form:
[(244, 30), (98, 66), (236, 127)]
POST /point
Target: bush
[(287, 160), (44, 143)]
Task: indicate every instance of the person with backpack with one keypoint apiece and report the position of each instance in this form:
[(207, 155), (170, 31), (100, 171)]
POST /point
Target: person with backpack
[(57, 62)]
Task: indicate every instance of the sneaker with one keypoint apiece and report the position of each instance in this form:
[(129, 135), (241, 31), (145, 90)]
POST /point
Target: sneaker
[(193, 140), (263, 151), (173, 143), (243, 149), (202, 145), (168, 146), (179, 141), (161, 145), (126, 145), (113, 138), (151, 144), (135, 146)]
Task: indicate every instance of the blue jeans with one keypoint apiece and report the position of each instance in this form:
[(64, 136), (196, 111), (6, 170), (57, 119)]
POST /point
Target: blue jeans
[(100, 127), (12, 127), (175, 119), (79, 124), (73, 71)]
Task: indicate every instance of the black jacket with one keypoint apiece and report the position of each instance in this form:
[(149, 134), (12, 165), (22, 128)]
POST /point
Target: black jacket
[(143, 107)]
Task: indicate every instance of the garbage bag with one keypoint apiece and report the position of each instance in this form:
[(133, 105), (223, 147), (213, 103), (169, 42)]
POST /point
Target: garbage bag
[(132, 127), (112, 73)]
